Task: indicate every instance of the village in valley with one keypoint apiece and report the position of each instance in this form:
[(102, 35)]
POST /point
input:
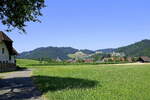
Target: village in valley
[(98, 57)]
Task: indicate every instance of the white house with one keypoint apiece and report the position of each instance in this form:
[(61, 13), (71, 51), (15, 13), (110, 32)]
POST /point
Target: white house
[(7, 52)]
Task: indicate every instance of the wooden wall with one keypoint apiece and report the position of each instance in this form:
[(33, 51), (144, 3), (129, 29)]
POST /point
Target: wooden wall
[(6, 67)]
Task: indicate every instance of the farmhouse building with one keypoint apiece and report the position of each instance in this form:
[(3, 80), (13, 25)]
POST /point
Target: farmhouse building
[(7, 52), (144, 59)]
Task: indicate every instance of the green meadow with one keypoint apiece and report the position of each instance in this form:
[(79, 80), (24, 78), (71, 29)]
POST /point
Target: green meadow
[(91, 82), (26, 62)]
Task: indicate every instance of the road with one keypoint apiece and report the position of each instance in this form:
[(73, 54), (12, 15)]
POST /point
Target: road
[(18, 86)]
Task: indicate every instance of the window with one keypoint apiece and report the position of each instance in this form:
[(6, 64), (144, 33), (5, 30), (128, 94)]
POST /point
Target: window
[(3, 50), (9, 57)]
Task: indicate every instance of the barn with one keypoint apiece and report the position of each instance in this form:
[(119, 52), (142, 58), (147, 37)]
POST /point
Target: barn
[(144, 59)]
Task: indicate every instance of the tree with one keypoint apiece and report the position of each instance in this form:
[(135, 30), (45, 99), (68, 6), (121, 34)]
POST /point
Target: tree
[(15, 13)]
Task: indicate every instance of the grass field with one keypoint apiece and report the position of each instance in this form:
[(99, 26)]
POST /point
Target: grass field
[(93, 82), (26, 62)]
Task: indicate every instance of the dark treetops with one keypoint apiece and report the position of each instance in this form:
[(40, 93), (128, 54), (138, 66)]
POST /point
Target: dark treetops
[(15, 13)]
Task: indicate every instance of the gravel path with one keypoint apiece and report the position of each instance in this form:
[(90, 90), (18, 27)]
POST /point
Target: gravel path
[(18, 86)]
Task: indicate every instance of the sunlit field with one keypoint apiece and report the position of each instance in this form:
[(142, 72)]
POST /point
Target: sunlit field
[(94, 82)]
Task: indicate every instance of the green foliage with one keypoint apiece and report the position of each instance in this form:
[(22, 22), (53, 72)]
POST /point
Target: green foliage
[(15, 13), (141, 48), (94, 82)]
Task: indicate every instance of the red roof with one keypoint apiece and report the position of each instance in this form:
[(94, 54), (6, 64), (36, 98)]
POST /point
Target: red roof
[(4, 37)]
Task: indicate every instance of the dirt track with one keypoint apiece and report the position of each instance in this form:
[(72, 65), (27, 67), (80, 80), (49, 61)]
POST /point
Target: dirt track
[(18, 86)]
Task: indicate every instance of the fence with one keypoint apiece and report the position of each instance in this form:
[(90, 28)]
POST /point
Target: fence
[(6, 67)]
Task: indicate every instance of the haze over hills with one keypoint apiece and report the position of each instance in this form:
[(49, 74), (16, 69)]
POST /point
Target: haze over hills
[(141, 48)]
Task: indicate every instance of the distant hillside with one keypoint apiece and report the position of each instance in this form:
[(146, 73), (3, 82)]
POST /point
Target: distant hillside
[(52, 52), (141, 48), (109, 50), (78, 54), (86, 51), (48, 52)]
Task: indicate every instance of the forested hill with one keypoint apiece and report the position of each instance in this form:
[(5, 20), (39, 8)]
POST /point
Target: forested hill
[(141, 48), (54, 52), (51, 52), (48, 52), (109, 50)]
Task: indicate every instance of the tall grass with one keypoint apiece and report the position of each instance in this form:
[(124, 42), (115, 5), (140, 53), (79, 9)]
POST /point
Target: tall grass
[(91, 82), (94, 82)]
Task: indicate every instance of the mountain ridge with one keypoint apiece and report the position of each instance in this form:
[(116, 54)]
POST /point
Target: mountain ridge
[(141, 48)]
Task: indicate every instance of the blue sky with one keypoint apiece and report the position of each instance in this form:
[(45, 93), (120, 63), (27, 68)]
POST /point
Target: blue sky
[(90, 24)]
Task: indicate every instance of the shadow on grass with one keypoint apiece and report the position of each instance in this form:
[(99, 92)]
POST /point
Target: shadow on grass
[(22, 88), (48, 83)]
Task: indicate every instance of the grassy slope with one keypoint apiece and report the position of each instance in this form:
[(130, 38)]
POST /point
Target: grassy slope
[(94, 82), (26, 62)]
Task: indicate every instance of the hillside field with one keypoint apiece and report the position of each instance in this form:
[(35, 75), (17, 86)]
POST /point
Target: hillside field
[(26, 62), (92, 82)]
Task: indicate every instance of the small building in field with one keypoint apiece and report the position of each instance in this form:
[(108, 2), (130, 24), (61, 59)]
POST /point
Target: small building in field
[(7, 52), (144, 59)]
